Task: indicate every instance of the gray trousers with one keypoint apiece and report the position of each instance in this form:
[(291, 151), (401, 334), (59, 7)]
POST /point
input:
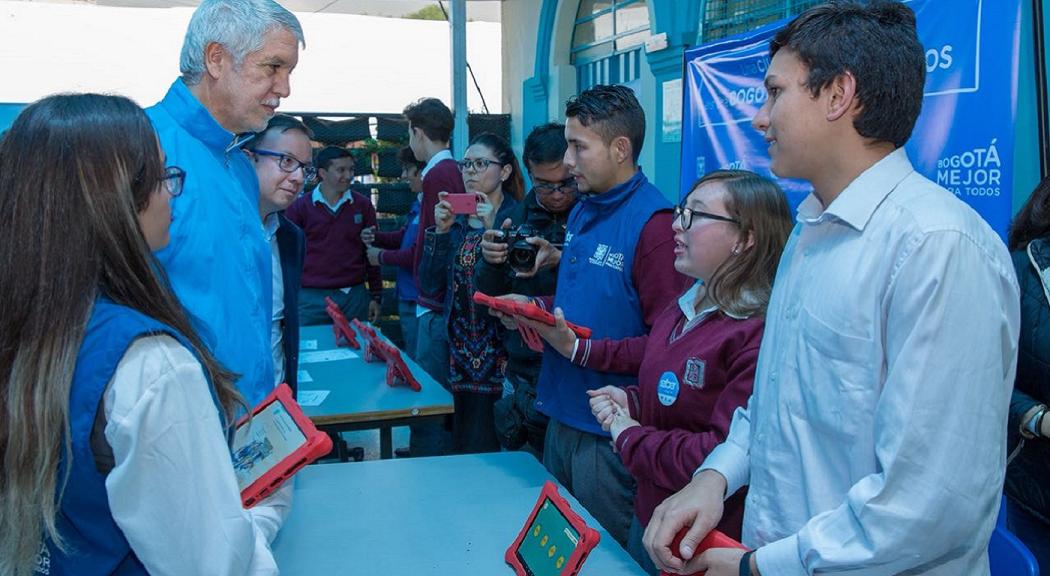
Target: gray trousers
[(586, 465), (312, 305)]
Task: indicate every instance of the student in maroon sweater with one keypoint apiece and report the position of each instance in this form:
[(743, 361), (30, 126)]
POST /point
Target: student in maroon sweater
[(429, 130), (697, 364), (333, 216)]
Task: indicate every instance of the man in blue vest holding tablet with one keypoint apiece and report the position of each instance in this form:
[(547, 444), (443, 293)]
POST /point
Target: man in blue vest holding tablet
[(616, 273)]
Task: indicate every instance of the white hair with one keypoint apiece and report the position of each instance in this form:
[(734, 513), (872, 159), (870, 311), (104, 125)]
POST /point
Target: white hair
[(238, 25)]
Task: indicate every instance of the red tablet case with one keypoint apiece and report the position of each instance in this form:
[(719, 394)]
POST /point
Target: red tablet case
[(317, 445), (530, 311), (589, 537), (379, 350), (340, 327), (714, 539)]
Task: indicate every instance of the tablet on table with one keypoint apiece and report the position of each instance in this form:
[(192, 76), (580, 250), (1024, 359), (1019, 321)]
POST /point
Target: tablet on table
[(554, 541)]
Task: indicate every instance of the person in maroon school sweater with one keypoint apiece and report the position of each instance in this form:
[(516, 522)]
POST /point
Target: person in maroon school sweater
[(697, 364), (336, 266), (430, 125)]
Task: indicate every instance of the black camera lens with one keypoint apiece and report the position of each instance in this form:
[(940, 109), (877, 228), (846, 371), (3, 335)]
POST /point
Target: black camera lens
[(522, 256)]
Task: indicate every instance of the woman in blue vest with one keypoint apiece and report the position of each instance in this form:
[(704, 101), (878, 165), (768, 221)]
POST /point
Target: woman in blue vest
[(113, 435)]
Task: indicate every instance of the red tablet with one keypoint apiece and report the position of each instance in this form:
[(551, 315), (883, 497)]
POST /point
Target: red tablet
[(554, 541), (272, 446), (379, 350), (340, 328), (714, 539), (528, 310)]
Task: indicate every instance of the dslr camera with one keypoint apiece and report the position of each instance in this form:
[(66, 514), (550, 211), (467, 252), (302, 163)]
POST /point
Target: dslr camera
[(520, 254)]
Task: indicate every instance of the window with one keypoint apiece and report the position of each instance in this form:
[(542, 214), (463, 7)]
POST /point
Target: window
[(723, 18), (606, 27)]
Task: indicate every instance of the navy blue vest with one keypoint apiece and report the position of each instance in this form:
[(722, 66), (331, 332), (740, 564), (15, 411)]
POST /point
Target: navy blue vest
[(96, 544), (595, 289)]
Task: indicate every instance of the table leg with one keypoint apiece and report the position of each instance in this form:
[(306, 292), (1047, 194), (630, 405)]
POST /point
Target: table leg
[(386, 443), (340, 446)]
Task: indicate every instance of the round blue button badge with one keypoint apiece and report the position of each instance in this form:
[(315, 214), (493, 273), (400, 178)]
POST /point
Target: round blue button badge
[(667, 391)]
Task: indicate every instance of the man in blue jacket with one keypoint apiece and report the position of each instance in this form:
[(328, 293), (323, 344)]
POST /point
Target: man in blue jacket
[(235, 63)]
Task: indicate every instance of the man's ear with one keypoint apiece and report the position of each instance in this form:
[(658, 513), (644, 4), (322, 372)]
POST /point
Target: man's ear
[(621, 149), (842, 96), (216, 59)]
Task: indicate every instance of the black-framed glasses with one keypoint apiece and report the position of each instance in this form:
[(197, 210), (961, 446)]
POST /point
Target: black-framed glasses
[(173, 179), (568, 185), (477, 165), (688, 214), (288, 163)]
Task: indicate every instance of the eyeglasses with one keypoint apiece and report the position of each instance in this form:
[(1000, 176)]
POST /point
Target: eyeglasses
[(173, 179), (567, 185), (479, 165), (288, 163), (687, 215)]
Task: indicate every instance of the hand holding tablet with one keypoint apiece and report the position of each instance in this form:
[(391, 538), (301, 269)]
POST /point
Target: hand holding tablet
[(273, 445)]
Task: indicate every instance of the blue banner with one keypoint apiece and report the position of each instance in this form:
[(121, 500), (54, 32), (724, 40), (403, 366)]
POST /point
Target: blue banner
[(963, 140)]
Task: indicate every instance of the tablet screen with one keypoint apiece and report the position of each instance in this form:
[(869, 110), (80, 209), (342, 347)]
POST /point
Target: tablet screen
[(262, 442), (549, 542)]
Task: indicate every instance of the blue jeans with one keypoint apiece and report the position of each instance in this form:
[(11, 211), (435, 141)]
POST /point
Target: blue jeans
[(1032, 531), (432, 439), (406, 310)]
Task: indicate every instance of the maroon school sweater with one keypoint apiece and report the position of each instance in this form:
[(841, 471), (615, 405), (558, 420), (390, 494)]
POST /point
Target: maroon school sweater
[(442, 177), (714, 366), (335, 254)]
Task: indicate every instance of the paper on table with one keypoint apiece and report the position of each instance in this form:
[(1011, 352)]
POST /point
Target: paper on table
[(326, 355), (304, 377), (308, 344), (312, 397)]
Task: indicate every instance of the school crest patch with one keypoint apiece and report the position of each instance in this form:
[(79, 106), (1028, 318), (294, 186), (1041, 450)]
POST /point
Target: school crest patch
[(694, 373)]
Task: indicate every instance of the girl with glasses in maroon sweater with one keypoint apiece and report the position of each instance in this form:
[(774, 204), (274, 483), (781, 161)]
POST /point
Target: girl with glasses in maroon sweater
[(697, 364)]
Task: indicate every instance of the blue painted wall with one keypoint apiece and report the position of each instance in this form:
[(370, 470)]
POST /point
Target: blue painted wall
[(8, 112), (679, 20)]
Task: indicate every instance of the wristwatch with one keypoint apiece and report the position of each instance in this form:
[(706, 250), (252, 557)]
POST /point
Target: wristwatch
[(745, 563), (1032, 424)]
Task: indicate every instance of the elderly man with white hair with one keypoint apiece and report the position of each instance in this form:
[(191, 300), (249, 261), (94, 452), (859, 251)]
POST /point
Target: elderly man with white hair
[(236, 61)]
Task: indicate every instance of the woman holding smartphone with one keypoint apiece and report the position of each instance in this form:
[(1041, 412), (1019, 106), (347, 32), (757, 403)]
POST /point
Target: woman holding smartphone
[(477, 358)]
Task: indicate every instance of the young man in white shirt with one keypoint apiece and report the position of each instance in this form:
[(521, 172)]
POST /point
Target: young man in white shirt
[(874, 440)]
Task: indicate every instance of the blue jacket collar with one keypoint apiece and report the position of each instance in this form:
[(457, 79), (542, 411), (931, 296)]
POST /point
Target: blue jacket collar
[(616, 195), (189, 113)]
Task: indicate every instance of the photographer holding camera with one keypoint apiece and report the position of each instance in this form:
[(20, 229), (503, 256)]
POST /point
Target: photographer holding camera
[(509, 261)]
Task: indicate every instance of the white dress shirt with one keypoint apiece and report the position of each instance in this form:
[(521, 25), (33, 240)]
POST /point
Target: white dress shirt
[(172, 490), (270, 226), (875, 440)]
